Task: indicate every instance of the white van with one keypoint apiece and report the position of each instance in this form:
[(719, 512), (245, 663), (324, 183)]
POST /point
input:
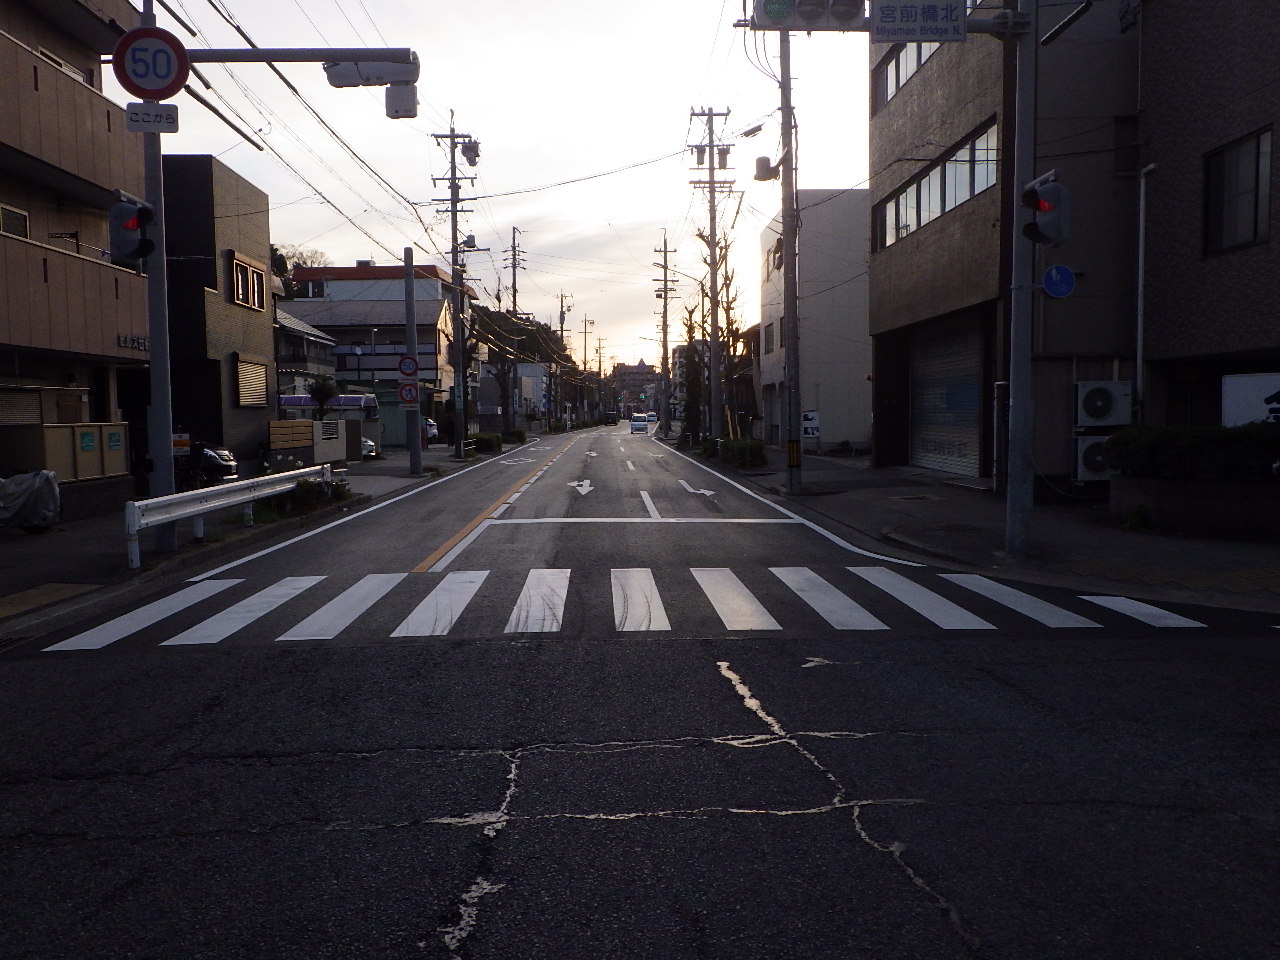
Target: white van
[(639, 423)]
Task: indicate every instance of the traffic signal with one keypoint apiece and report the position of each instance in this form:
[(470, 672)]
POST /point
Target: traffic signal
[(806, 15), (1051, 202), (127, 230)]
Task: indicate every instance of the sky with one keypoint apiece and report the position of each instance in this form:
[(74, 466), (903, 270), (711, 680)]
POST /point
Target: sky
[(582, 110)]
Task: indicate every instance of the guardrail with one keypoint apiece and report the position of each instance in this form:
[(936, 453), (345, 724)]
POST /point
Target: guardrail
[(140, 514)]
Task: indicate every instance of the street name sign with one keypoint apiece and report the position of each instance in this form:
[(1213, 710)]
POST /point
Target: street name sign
[(914, 21)]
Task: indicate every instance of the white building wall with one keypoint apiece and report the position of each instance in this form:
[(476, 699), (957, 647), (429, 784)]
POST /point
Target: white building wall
[(835, 341)]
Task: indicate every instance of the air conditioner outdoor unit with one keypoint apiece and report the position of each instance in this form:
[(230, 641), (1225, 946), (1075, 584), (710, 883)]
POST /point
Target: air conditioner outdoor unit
[(1091, 461), (1104, 403)]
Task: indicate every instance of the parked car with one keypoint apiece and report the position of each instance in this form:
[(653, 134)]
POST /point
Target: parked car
[(652, 417), (611, 418), (639, 423), (368, 449)]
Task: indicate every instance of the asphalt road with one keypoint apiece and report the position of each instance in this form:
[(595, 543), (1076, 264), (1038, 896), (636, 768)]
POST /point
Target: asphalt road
[(589, 700)]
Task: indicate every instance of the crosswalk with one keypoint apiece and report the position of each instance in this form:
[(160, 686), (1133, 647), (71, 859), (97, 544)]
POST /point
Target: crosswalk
[(404, 605)]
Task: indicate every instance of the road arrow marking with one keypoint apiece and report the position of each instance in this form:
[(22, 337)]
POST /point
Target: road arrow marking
[(582, 486), (689, 489), (518, 460), (592, 453)]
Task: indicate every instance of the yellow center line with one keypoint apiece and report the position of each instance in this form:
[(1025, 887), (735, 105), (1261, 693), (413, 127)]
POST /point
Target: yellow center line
[(484, 515)]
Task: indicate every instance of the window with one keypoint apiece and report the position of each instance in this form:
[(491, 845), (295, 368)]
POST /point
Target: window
[(1237, 203), (251, 381), (248, 285), (14, 222), (946, 184), (768, 338)]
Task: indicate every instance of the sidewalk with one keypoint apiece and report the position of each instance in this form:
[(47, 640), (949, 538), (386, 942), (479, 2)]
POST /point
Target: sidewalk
[(1073, 542), (918, 514)]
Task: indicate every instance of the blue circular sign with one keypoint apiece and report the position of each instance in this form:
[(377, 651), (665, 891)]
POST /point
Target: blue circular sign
[(1059, 281)]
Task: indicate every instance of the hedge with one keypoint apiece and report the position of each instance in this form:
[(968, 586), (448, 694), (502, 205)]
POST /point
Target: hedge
[(1249, 452)]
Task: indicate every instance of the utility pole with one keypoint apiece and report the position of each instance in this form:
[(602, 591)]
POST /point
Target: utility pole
[(412, 413), (586, 363), (790, 282), (716, 155), (515, 267), (559, 386), (471, 151), (665, 292)]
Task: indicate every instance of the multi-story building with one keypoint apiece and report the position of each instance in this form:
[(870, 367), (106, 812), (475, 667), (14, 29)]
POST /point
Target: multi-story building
[(637, 387), (835, 343), (73, 327), (363, 308), (941, 240), (1211, 305), (221, 316)]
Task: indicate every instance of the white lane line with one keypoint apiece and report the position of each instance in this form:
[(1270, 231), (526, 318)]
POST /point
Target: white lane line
[(833, 606), (1143, 611), (820, 531), (648, 503), (630, 465), (925, 602), (218, 628), (1033, 607), (636, 603), (540, 608), (441, 564), (436, 615), (737, 607), (143, 617), (343, 610)]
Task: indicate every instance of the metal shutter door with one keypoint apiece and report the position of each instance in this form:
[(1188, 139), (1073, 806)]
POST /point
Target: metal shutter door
[(946, 401)]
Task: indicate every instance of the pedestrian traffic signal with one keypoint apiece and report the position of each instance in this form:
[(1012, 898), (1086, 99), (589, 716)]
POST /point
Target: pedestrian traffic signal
[(127, 231), (806, 15), (1051, 203)]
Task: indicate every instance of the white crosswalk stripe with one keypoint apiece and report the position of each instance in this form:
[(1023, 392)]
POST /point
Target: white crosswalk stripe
[(1143, 611), (436, 615), (834, 607), (737, 606), (143, 617), (1033, 607), (540, 608), (342, 611), (244, 613), (931, 606), (637, 604)]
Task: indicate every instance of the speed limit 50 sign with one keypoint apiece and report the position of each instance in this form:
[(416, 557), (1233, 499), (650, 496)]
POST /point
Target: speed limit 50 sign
[(151, 63)]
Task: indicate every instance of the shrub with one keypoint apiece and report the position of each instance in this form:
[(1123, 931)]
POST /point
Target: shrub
[(515, 436), (1249, 452), (742, 453), (710, 448), (487, 442)]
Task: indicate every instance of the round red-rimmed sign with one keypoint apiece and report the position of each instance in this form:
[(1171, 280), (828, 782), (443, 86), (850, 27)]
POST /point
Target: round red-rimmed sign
[(151, 63)]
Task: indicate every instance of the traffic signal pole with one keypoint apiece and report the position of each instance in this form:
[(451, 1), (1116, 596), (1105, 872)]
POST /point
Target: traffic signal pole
[(1020, 483), (160, 413)]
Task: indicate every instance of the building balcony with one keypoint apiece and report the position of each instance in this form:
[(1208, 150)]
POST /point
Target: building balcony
[(57, 300), (62, 134)]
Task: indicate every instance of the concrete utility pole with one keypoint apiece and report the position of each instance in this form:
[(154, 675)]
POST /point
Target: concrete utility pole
[(716, 155), (412, 416), (515, 268), (665, 292), (459, 295), (559, 383), (790, 283)]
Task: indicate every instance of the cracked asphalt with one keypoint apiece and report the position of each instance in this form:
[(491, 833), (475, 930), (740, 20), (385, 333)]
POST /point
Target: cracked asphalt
[(728, 799)]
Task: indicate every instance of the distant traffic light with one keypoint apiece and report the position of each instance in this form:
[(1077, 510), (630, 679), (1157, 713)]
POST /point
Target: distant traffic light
[(805, 15), (1051, 202), (127, 230)]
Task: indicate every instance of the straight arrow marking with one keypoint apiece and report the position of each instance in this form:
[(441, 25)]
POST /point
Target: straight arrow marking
[(582, 486)]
